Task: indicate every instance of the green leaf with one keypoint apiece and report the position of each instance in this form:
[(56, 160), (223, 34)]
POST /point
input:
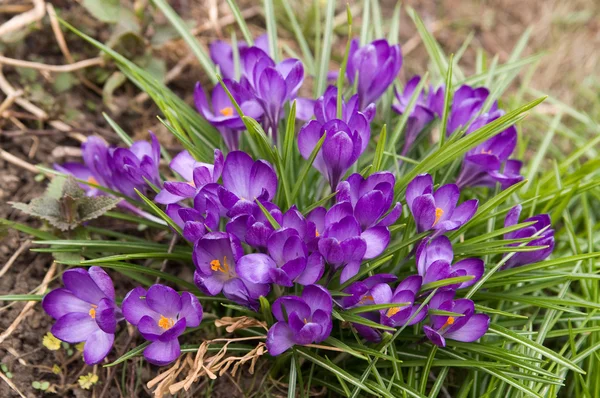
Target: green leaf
[(104, 10), (160, 213)]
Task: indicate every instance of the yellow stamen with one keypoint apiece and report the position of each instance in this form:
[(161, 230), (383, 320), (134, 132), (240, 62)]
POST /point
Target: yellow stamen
[(191, 183), (438, 214), (92, 180), (392, 311), (305, 321), (366, 299), (317, 233), (488, 152), (227, 111), (165, 323), (92, 311), (215, 265)]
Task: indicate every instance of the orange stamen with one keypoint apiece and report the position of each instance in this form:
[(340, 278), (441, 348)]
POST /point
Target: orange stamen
[(317, 233), (92, 180), (227, 111), (438, 214), (216, 265), (92, 311), (392, 311), (165, 323)]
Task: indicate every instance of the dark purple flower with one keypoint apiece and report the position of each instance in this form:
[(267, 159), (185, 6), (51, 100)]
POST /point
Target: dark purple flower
[(85, 311), (341, 243), (488, 163), (272, 84), (421, 115), (221, 112), (300, 320), (132, 166), (288, 262), (244, 181), (375, 65), (251, 225), (342, 147), (437, 210), (467, 328), (404, 294), (467, 103), (222, 54), (434, 263), (325, 108), (371, 198), (216, 257), (546, 238), (196, 174), (161, 315)]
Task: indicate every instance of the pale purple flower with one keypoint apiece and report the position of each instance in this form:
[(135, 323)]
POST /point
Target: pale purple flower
[(467, 328), (222, 54), (85, 311), (437, 210), (375, 65), (216, 257), (434, 263), (300, 320), (546, 238), (161, 316)]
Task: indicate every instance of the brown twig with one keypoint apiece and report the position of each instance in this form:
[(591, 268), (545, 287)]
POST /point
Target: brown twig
[(11, 385), (52, 68), (13, 258), (29, 305), (18, 162), (17, 22)]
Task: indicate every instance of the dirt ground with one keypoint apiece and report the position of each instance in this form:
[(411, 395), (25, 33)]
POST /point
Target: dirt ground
[(52, 113)]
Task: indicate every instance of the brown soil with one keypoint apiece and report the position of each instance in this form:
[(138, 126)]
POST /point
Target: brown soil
[(558, 27)]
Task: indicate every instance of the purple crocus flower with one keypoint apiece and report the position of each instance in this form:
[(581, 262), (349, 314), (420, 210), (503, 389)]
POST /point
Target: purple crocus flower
[(161, 315), (361, 294), (222, 54), (288, 262), (132, 166), (222, 114), (546, 238), (371, 199), (375, 65), (467, 328), (325, 108), (404, 294), (245, 180), (272, 84), (216, 257), (434, 262), (467, 103), (437, 210), (342, 147), (85, 311), (306, 320), (252, 226), (488, 163), (196, 174), (421, 115)]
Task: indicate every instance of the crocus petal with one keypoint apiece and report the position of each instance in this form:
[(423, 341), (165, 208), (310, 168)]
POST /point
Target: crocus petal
[(236, 173), (315, 267), (370, 208), (97, 346), (423, 209), (279, 338), (162, 353), (106, 315), (392, 216), (382, 293), (211, 284), (475, 327), (74, 327), (412, 284), (164, 300), (255, 267), (465, 211), (103, 281), (262, 178), (191, 310), (291, 304), (317, 297), (149, 328), (512, 217), (81, 284), (134, 307), (434, 336), (420, 185), (471, 266), (182, 189), (61, 301), (377, 239), (173, 332), (350, 270), (446, 198)]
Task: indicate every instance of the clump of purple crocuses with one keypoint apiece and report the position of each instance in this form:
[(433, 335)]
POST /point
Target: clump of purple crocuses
[(245, 246)]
